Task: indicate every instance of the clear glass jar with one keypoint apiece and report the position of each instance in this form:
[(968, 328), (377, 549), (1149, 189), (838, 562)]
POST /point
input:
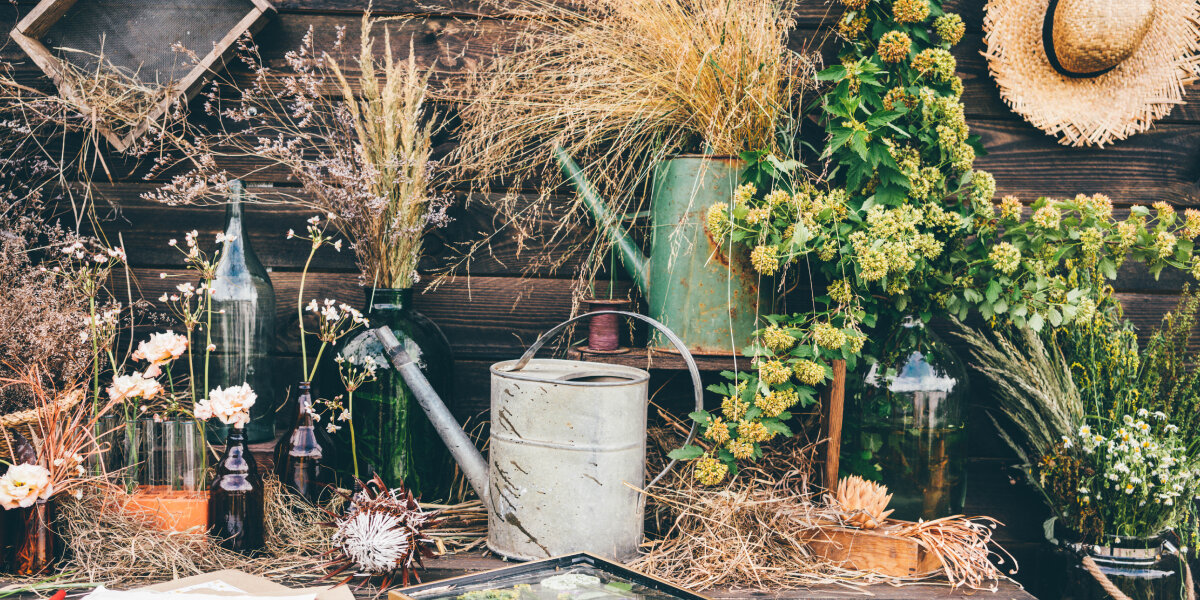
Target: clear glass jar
[(243, 329), (906, 423), (1142, 568)]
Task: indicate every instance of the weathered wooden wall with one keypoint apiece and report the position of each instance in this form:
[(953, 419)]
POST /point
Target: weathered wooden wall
[(499, 309)]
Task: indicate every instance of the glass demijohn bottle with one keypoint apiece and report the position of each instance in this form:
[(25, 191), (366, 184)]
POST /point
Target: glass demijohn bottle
[(243, 328)]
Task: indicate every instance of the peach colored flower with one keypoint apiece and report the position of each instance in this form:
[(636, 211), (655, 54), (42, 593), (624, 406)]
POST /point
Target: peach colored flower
[(162, 348), (230, 405), (136, 385), (23, 485)]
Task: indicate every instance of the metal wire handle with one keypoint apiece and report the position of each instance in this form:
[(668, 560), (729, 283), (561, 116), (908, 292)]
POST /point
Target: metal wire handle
[(697, 386)]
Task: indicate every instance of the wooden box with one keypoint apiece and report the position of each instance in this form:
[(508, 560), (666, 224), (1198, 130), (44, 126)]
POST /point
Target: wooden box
[(875, 551), (137, 36)]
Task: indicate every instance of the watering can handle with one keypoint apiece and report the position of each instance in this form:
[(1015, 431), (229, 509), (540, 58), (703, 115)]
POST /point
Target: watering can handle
[(670, 335)]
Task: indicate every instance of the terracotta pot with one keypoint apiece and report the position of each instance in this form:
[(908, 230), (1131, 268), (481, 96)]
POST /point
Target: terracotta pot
[(604, 331), (172, 510)]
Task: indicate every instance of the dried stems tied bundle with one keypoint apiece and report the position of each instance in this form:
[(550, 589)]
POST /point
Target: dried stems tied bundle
[(357, 142), (623, 84)]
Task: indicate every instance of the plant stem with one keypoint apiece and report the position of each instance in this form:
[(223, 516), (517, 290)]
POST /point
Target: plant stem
[(300, 312), (95, 355), (353, 443), (207, 335), (316, 361)]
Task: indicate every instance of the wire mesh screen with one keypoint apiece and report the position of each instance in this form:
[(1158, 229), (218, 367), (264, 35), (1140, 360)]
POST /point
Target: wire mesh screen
[(136, 36)]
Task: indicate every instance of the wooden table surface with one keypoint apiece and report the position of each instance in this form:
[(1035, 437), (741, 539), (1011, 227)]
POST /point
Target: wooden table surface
[(463, 564)]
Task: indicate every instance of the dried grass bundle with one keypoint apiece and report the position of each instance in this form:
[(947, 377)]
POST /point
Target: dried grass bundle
[(623, 84)]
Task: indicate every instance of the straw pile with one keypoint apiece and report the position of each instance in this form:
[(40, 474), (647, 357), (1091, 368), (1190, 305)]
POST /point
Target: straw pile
[(108, 544), (753, 532)]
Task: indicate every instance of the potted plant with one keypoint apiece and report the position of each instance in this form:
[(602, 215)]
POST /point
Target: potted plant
[(1117, 470)]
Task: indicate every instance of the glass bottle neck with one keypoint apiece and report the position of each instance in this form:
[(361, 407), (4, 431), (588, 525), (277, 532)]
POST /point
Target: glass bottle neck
[(390, 299)]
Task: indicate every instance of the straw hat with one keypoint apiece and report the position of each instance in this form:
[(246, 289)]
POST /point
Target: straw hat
[(1092, 71)]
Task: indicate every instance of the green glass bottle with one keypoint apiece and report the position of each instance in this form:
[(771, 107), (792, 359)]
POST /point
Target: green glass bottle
[(393, 436)]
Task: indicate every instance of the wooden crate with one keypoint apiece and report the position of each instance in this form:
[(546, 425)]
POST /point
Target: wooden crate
[(875, 551), (137, 34)]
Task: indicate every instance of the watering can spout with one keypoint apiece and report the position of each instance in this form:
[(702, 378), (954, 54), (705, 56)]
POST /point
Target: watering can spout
[(631, 257), (465, 454)]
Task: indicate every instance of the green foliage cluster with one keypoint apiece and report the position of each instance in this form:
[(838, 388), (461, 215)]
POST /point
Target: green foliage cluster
[(902, 225)]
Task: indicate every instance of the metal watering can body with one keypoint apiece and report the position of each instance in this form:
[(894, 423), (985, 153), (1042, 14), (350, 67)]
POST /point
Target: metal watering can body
[(708, 295), (567, 451)]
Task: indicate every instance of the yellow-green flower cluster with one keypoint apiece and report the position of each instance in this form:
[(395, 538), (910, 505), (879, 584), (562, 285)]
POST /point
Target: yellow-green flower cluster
[(765, 259), (1091, 241), (754, 431), (734, 408), (1006, 257), (741, 449), (809, 372), (897, 96), (841, 291), (850, 27), (776, 401), (1191, 223), (1010, 209), (744, 194), (717, 220), (778, 339), (937, 63), (774, 372), (828, 336), (910, 11), (856, 4), (710, 471), (1047, 217), (717, 431), (894, 46), (949, 28), (983, 187), (1164, 244)]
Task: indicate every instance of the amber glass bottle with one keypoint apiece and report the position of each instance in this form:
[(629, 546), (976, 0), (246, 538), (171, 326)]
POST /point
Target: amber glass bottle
[(235, 504), (300, 459)]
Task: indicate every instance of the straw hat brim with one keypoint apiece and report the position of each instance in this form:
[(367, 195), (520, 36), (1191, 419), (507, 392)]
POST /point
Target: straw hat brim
[(1098, 110)]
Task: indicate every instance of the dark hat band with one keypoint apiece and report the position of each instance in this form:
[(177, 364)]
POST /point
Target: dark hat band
[(1048, 44)]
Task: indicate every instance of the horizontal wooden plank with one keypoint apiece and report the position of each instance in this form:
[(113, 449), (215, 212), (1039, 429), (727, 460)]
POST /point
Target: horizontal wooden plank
[(475, 229), (489, 317)]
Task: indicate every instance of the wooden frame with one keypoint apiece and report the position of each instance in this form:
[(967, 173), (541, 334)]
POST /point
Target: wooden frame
[(446, 586), (34, 25)]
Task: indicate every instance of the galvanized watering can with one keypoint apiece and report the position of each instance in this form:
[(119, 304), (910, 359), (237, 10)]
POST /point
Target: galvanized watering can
[(567, 450), (708, 295)]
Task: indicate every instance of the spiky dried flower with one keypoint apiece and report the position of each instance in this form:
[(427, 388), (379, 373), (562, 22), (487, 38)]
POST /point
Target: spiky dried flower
[(865, 503), (382, 534)]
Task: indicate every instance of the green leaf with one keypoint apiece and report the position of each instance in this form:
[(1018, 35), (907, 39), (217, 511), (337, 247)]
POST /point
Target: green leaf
[(701, 416), (832, 73), (776, 426), (688, 452), (1036, 322), (619, 586), (993, 291)]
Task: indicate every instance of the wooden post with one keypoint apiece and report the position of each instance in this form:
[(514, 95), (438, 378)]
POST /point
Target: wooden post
[(833, 409)]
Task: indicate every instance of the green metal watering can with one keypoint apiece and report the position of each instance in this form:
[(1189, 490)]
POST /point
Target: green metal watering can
[(707, 295)]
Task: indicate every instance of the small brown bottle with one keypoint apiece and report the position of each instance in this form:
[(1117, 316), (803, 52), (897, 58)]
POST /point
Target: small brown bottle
[(235, 503), (300, 463)]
